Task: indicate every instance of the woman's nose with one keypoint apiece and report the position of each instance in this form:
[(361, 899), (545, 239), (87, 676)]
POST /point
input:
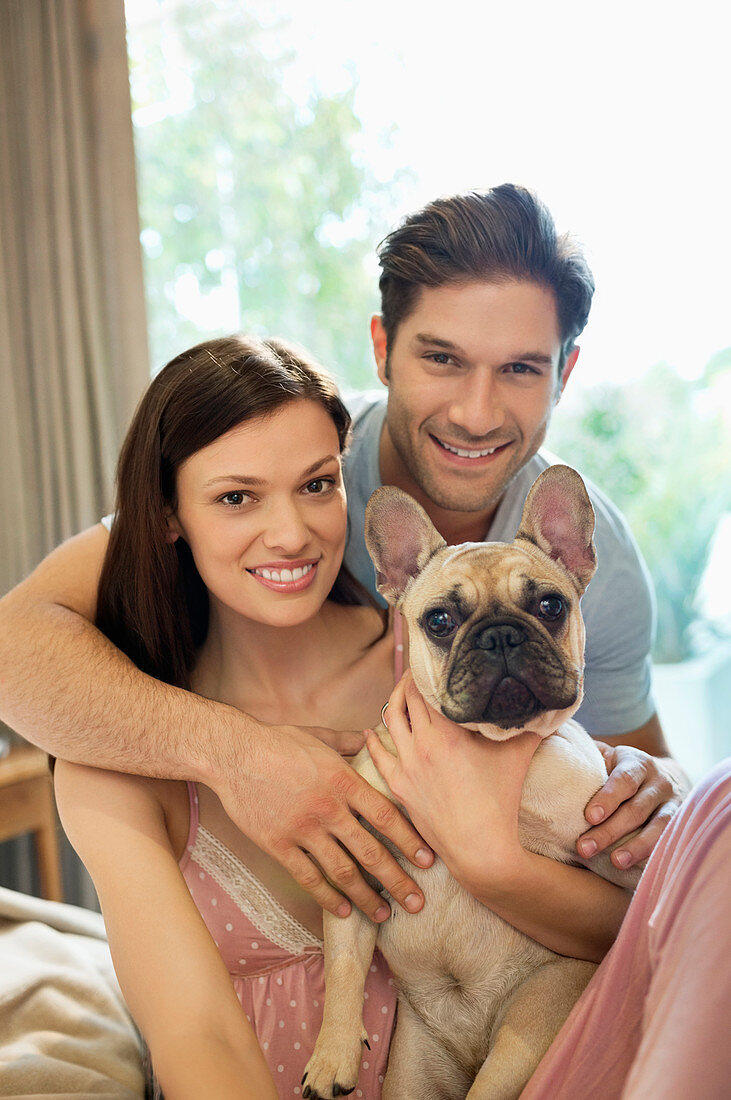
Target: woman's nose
[(285, 529)]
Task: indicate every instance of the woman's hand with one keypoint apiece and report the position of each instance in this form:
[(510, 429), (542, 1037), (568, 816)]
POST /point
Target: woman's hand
[(462, 791)]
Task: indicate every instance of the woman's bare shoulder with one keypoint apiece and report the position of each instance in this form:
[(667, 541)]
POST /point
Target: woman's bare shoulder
[(93, 801)]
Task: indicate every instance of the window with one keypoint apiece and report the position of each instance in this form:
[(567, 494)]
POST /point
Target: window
[(259, 202), (278, 142)]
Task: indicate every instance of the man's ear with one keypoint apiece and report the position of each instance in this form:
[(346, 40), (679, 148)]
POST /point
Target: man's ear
[(566, 372), (380, 346), (400, 538)]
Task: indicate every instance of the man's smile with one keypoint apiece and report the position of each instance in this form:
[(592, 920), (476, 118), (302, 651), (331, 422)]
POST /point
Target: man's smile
[(470, 454)]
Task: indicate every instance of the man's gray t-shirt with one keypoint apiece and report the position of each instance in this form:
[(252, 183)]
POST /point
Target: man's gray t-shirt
[(618, 605)]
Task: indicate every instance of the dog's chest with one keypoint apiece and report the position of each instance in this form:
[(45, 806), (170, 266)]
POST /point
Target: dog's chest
[(456, 962), (454, 935)]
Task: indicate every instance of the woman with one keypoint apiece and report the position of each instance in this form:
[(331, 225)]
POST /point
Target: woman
[(224, 574)]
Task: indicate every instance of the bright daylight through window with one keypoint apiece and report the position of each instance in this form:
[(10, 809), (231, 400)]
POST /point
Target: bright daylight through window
[(278, 142)]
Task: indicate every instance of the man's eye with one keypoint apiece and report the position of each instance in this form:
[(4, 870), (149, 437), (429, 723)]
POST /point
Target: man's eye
[(441, 358), (523, 368), (440, 623), (551, 608)]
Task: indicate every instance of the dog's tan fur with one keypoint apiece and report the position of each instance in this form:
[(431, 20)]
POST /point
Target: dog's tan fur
[(479, 1002)]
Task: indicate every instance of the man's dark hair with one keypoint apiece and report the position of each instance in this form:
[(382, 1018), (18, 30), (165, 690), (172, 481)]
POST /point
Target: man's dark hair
[(499, 235)]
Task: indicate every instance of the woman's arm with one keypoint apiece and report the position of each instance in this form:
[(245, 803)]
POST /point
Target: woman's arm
[(170, 971), (458, 788), (67, 689)]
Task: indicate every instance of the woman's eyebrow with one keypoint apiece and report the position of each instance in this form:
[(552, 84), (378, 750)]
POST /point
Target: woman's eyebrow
[(243, 479), (321, 462)]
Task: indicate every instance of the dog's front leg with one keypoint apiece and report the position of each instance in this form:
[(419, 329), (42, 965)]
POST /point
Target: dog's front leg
[(335, 1062)]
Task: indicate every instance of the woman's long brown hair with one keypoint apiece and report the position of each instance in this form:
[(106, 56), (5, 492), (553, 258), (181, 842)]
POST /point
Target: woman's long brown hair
[(152, 602)]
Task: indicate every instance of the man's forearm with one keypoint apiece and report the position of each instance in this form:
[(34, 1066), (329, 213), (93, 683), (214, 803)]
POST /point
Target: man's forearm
[(67, 689)]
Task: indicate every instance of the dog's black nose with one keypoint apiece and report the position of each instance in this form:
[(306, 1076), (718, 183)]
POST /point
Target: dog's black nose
[(499, 636)]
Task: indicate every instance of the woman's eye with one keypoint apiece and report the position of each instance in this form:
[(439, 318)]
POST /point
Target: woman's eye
[(319, 485), (235, 498), (550, 608), (440, 623)]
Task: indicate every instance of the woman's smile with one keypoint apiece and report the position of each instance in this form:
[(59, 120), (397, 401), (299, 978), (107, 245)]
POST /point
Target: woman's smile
[(293, 576), (265, 502)]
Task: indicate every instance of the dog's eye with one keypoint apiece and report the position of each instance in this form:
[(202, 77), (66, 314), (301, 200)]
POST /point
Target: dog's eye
[(440, 623), (550, 608)]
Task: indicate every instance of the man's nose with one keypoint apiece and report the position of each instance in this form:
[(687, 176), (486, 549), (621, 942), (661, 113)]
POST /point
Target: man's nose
[(477, 406), (286, 529)]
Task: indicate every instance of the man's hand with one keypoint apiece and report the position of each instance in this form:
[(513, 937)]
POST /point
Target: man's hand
[(299, 800), (642, 793), (291, 793)]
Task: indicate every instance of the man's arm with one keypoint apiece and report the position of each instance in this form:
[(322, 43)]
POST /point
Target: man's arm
[(67, 689), (645, 786), (644, 789)]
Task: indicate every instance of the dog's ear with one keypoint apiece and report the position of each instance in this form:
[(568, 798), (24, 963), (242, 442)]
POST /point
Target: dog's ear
[(558, 518), (400, 538)]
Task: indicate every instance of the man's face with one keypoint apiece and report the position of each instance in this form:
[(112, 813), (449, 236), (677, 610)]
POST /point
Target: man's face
[(473, 378)]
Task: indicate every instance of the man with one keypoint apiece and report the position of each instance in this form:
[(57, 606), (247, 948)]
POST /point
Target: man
[(481, 309)]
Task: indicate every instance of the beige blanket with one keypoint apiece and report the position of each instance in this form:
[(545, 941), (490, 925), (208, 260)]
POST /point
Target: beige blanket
[(64, 1027)]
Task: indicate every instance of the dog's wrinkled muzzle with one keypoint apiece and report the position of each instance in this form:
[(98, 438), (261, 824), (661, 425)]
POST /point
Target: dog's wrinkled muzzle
[(501, 674)]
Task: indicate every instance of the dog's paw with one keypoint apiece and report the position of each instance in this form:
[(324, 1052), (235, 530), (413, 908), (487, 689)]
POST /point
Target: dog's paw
[(334, 1067)]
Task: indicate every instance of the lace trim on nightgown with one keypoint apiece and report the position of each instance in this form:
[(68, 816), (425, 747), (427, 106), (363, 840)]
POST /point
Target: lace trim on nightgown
[(251, 896)]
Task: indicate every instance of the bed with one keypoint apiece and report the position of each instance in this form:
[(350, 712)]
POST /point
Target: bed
[(64, 1026)]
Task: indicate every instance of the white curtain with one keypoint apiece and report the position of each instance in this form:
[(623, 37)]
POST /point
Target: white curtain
[(73, 347)]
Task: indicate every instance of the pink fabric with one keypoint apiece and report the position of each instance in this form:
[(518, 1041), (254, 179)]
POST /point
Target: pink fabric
[(277, 966), (655, 1021)]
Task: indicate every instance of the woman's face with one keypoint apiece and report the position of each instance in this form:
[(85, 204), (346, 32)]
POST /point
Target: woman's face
[(263, 510)]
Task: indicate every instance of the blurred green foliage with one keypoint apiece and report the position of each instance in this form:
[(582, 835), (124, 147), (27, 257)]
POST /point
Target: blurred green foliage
[(252, 190), (257, 203), (660, 447)]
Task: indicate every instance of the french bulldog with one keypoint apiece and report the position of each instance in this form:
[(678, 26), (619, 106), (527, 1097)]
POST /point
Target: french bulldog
[(496, 643)]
